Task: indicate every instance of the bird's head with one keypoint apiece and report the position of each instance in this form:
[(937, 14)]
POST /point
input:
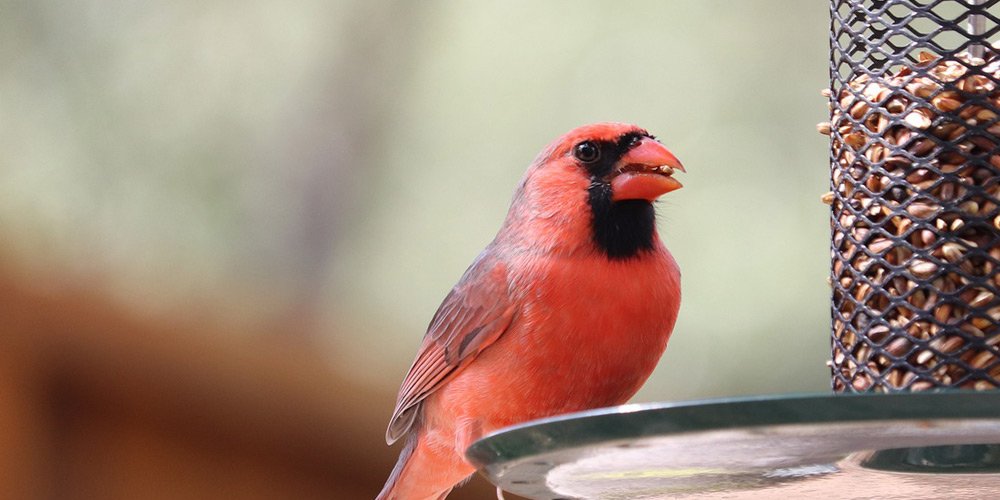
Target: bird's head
[(606, 175), (625, 158)]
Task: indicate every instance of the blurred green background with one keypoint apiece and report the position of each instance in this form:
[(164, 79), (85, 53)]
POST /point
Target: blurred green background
[(335, 166)]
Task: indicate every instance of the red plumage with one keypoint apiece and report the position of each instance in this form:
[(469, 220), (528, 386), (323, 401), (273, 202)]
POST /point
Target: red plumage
[(569, 308)]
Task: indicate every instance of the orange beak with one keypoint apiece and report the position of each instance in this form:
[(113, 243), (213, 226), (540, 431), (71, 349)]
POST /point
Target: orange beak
[(645, 172)]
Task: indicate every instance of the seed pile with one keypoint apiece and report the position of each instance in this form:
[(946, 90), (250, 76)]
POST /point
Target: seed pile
[(916, 227)]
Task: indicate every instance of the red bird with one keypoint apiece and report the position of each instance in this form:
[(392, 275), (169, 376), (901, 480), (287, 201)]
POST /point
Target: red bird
[(569, 308)]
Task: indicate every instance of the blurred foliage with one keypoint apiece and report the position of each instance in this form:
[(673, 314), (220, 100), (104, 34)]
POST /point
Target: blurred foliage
[(343, 162)]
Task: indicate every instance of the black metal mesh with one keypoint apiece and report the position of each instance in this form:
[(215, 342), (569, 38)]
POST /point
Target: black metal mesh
[(915, 163)]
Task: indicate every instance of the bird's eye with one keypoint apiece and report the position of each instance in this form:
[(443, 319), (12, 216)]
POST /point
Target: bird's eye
[(587, 152)]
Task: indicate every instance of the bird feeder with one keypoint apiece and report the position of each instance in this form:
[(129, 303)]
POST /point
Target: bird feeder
[(915, 243), (915, 163)]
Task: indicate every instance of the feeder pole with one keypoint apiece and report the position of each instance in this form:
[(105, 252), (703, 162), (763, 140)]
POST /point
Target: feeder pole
[(977, 25)]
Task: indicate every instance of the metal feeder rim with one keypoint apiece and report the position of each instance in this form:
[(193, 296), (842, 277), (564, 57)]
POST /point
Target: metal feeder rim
[(633, 421)]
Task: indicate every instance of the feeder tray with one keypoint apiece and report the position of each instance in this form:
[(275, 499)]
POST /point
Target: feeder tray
[(887, 446)]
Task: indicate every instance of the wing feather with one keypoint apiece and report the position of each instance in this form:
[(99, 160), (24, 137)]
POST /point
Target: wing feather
[(473, 315)]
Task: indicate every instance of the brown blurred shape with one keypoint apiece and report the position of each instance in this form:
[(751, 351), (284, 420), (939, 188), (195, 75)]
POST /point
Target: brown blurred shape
[(99, 402)]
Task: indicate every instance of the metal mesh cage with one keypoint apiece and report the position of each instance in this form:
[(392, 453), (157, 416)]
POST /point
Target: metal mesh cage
[(915, 164)]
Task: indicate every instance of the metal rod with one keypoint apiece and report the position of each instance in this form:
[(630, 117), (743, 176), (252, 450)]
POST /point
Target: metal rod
[(977, 25)]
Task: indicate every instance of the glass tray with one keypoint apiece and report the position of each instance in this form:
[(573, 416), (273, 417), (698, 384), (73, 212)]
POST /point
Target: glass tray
[(888, 446)]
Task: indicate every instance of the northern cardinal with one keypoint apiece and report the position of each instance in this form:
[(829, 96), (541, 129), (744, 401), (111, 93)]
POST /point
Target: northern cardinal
[(569, 308)]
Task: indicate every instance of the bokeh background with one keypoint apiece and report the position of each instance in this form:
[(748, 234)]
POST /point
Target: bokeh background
[(225, 225)]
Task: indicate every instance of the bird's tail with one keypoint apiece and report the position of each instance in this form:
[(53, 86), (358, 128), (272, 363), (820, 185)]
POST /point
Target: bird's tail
[(421, 474)]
